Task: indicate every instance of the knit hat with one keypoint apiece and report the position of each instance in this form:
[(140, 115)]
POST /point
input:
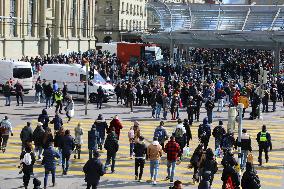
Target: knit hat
[(100, 117)]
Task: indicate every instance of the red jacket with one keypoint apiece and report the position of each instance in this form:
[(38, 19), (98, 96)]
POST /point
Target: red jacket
[(236, 98), (116, 126), (172, 149)]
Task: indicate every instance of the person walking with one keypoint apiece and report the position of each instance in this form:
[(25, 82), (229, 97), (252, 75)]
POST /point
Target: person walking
[(49, 163), (44, 119), (243, 99), (19, 92), (5, 130), (198, 101), (115, 125), (250, 178), (179, 133), (26, 135), (7, 89), (55, 88), (65, 93), (38, 91), (140, 151), (264, 143), (245, 147), (133, 136), (78, 140), (230, 176), (92, 140), (27, 159), (204, 133), (47, 138), (57, 142), (48, 93), (162, 134), (159, 103), (111, 145), (38, 140), (67, 146), (69, 108), (218, 133), (57, 122), (101, 127), (209, 164), (209, 106), (166, 105), (154, 153), (228, 140), (186, 125), (93, 170), (273, 96), (205, 181), (58, 96), (194, 162), (100, 96), (172, 149), (191, 107)]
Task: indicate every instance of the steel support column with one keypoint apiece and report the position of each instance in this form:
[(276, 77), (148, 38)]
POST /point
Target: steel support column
[(276, 53)]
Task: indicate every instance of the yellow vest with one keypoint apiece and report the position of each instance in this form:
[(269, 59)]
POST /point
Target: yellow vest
[(263, 137), (58, 97)]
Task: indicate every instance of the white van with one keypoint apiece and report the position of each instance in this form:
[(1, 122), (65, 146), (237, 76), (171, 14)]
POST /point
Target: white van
[(14, 71), (74, 75)]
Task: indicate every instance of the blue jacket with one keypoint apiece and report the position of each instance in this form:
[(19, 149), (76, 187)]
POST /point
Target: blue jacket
[(92, 139), (67, 144), (57, 121), (49, 156)]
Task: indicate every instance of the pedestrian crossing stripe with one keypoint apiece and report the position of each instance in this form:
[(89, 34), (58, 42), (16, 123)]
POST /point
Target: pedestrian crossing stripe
[(268, 174)]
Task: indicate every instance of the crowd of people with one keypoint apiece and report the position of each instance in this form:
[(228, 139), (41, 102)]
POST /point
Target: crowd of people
[(167, 89)]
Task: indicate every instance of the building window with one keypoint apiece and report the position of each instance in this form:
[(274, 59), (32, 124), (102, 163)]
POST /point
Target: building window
[(30, 17), (127, 8), (126, 24), (130, 25), (84, 18), (131, 9), (108, 9), (122, 7), (48, 3), (13, 21), (73, 15), (121, 25), (140, 26)]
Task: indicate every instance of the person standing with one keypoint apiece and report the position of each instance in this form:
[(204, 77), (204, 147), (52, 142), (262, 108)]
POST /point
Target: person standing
[(115, 125), (38, 139), (198, 101), (166, 105), (111, 145), (100, 97), (55, 88), (92, 140), (93, 170), (49, 163), (19, 92), (101, 127), (26, 135), (218, 133), (250, 178), (243, 99), (5, 130), (58, 99), (245, 147), (27, 159), (7, 93), (140, 150), (38, 91), (154, 153), (69, 108), (67, 146), (65, 92), (159, 103), (264, 142), (161, 134), (273, 96), (44, 119), (191, 107), (172, 149), (78, 140), (204, 133), (209, 106)]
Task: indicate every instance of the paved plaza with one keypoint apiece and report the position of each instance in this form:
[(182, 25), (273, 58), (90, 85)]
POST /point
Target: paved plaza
[(271, 174)]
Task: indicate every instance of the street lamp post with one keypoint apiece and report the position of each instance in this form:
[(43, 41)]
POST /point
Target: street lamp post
[(240, 107), (87, 88), (171, 36)]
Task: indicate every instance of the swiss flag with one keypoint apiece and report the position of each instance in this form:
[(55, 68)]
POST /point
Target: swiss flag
[(229, 184)]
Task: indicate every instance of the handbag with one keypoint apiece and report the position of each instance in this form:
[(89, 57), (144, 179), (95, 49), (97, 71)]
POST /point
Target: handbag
[(250, 158)]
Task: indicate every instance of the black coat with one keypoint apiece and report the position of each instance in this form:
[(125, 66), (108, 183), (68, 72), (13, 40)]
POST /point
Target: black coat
[(230, 172), (93, 170), (28, 169), (250, 180)]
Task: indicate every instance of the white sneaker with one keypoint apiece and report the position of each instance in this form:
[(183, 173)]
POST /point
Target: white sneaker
[(154, 182)]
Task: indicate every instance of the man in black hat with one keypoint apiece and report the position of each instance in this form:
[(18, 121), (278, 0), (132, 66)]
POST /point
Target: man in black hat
[(264, 142), (93, 170)]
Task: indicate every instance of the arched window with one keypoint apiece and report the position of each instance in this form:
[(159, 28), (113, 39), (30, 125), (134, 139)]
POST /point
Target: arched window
[(30, 17)]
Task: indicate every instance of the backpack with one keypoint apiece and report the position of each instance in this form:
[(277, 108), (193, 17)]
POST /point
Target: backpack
[(159, 133), (27, 160), (256, 183), (227, 143), (178, 133)]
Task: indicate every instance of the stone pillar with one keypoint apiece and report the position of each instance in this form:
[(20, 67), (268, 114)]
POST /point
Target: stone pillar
[(1, 20), (6, 25), (24, 14), (276, 53), (79, 15), (42, 19), (75, 18), (57, 18)]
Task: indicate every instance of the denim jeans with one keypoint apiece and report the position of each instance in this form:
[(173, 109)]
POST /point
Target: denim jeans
[(153, 111), (244, 155), (217, 142), (210, 116), (38, 150), (158, 110), (165, 113), (171, 166), (100, 141), (37, 96), (8, 100), (131, 146), (46, 176), (47, 101), (65, 161), (220, 105), (154, 169)]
